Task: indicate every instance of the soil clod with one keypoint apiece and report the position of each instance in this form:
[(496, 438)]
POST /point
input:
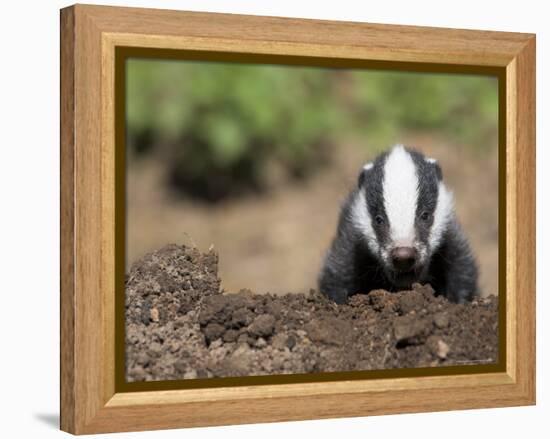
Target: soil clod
[(180, 325)]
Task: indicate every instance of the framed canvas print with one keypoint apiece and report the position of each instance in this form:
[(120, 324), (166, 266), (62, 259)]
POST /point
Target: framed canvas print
[(268, 219)]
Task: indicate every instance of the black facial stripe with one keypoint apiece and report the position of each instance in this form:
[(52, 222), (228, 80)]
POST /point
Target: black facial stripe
[(428, 190), (372, 184), (438, 172)]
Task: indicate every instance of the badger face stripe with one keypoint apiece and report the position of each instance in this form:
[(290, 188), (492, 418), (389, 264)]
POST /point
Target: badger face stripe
[(442, 215), (400, 191), (362, 221)]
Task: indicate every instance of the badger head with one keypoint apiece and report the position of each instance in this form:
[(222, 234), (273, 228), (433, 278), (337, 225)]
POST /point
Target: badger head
[(401, 210)]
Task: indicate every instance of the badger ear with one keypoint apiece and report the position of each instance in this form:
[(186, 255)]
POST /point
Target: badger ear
[(366, 168), (435, 163)]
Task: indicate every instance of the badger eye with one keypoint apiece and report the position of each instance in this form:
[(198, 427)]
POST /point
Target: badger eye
[(425, 216), (379, 219)]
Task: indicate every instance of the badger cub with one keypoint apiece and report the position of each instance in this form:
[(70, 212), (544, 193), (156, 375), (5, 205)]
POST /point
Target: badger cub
[(398, 227)]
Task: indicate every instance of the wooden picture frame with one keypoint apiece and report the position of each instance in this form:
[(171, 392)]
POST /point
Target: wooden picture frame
[(91, 400)]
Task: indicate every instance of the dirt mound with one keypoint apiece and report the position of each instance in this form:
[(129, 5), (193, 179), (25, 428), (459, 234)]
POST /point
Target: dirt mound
[(180, 325)]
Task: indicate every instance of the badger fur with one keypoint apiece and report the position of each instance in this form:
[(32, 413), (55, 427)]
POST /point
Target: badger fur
[(397, 227)]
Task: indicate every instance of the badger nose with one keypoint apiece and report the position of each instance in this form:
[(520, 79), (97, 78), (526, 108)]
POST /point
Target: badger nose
[(403, 258)]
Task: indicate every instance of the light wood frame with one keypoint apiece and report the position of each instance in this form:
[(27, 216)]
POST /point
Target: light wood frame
[(89, 36)]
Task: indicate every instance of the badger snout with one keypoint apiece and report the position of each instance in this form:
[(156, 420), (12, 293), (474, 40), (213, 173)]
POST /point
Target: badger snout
[(404, 258)]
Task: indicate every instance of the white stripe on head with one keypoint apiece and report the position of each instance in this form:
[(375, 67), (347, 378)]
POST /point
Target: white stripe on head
[(442, 215), (400, 195), (362, 221)]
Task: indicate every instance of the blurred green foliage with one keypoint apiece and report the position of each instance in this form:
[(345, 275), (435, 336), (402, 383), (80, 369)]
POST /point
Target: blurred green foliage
[(461, 108), (219, 125)]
